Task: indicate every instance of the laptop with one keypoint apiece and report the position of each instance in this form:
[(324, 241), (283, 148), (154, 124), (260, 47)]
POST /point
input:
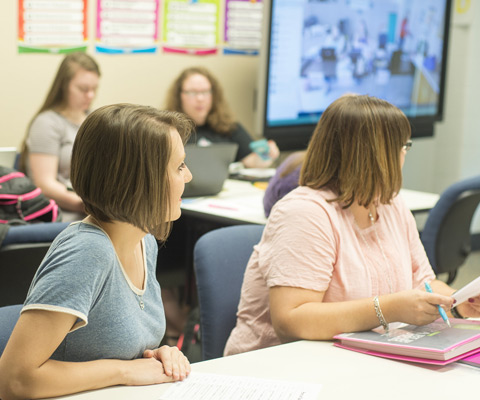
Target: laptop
[(7, 156), (209, 167)]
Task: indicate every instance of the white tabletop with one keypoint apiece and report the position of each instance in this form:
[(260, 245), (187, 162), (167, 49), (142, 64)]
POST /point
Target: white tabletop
[(241, 201), (343, 374)]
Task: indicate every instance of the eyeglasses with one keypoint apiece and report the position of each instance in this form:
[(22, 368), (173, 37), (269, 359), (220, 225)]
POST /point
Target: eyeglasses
[(407, 146), (195, 93)]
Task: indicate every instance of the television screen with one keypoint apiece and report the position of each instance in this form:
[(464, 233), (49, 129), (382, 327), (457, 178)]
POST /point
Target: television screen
[(315, 51)]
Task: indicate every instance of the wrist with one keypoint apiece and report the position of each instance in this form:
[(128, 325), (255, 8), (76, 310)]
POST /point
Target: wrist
[(124, 374), (378, 311), (455, 313)]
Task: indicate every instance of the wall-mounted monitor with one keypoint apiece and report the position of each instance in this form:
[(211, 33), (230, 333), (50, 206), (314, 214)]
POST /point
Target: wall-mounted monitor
[(314, 51)]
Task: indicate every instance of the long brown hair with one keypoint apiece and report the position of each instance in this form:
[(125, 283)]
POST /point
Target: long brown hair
[(57, 96), (220, 118), (355, 150), (120, 164)]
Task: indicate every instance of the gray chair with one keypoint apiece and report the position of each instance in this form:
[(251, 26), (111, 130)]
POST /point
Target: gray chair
[(220, 259), (8, 318), (446, 234), (21, 253)]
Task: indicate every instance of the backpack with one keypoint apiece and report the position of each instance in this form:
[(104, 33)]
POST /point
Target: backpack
[(190, 341), (21, 202)]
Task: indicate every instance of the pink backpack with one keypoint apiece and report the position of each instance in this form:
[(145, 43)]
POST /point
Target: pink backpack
[(22, 202)]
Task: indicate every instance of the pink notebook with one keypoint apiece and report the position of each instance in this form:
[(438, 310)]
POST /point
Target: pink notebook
[(435, 342), (473, 360), (474, 354)]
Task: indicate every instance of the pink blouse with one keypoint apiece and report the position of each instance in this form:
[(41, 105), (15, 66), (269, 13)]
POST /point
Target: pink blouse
[(314, 244)]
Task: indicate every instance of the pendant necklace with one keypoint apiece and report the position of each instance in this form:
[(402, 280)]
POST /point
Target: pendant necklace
[(386, 263)]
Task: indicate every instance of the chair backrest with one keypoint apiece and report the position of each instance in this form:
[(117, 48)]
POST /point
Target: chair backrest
[(220, 259), (446, 234), (21, 253), (8, 318)]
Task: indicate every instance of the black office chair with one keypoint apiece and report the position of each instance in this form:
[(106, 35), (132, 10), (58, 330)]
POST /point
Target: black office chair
[(21, 253), (446, 235), (221, 257)]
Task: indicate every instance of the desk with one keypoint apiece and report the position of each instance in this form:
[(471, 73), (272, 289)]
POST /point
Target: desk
[(242, 202), (344, 374), (238, 202)]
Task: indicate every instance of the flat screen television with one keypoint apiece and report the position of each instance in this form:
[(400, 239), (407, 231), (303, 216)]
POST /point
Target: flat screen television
[(314, 51)]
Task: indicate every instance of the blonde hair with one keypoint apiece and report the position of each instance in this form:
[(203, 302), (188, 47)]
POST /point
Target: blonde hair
[(355, 150), (57, 96), (220, 118), (120, 164)]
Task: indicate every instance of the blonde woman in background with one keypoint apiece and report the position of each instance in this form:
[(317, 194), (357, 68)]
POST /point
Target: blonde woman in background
[(47, 148)]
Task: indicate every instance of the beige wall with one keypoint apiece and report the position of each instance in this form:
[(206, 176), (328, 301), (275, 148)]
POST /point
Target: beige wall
[(26, 78)]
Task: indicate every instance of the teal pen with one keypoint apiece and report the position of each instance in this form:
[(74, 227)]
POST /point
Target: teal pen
[(442, 312)]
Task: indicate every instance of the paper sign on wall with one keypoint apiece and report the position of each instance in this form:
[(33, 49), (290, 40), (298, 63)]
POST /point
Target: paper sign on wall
[(243, 26), (127, 26), (191, 26), (52, 26)]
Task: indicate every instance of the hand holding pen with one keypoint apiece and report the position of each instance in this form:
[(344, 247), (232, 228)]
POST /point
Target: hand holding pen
[(442, 312)]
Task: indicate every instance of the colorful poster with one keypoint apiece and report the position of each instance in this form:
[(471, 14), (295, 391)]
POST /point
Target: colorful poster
[(243, 26), (52, 26), (127, 26), (191, 26)]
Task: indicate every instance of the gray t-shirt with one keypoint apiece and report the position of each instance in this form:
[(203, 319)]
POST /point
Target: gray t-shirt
[(51, 133), (82, 275)]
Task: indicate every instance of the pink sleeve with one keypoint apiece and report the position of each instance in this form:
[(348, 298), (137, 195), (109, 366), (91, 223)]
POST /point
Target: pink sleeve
[(421, 268), (300, 245)]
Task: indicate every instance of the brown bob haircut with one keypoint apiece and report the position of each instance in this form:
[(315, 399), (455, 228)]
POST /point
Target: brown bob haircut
[(119, 164), (220, 118), (355, 150)]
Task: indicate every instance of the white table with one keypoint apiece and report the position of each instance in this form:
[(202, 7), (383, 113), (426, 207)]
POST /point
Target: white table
[(238, 202), (242, 202), (343, 374)]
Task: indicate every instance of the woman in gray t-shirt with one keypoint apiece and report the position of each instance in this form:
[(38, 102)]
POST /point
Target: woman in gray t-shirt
[(93, 316), (47, 148)]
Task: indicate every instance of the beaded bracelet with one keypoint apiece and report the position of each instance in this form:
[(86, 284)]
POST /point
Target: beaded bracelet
[(379, 313)]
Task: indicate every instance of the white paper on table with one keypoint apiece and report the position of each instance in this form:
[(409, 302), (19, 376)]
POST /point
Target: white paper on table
[(203, 386), (257, 173), (471, 289)]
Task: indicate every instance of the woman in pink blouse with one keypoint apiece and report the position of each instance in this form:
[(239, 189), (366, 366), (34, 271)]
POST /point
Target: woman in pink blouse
[(341, 252)]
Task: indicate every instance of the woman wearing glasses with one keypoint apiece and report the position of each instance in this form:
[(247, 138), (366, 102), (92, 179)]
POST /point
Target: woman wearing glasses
[(197, 93), (341, 252)]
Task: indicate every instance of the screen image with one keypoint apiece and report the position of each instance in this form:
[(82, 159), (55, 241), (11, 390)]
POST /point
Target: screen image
[(320, 50)]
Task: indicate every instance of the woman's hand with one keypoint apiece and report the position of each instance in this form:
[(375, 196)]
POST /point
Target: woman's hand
[(253, 160), (415, 307), (175, 365), (274, 152), (470, 308), (145, 371)]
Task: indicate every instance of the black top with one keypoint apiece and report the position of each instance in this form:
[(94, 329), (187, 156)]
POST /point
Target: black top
[(238, 135)]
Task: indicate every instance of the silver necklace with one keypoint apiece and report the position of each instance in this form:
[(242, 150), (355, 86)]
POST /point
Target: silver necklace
[(386, 263), (140, 301)]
